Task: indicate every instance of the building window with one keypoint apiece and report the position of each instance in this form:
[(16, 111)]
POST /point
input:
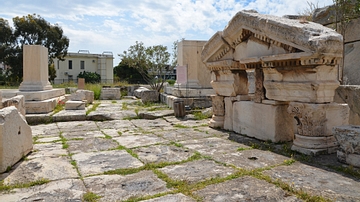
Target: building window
[(82, 64), (70, 64)]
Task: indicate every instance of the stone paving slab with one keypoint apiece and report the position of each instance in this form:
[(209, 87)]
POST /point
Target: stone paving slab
[(83, 134), (318, 181), (196, 171), (250, 159), (156, 114), (131, 141), (245, 189), (48, 139), (111, 132), (172, 198), (162, 153), (45, 130), (118, 187), (213, 145), (181, 134), (47, 150), (91, 145), (60, 190), (70, 115), (99, 162), (145, 124), (77, 126), (42, 168), (117, 124)]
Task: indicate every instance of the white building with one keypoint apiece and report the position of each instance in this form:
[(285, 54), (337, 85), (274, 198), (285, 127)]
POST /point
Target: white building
[(74, 63)]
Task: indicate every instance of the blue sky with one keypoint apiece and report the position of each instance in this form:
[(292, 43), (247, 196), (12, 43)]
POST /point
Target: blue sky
[(114, 25)]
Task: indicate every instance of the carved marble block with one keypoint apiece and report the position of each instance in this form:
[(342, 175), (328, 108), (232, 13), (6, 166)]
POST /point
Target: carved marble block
[(316, 84), (218, 107), (230, 83), (315, 122)]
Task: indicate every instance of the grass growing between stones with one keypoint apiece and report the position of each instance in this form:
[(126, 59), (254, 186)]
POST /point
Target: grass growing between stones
[(59, 107), (124, 106), (63, 140), (93, 108), (180, 126), (200, 116), (91, 197), (24, 185)]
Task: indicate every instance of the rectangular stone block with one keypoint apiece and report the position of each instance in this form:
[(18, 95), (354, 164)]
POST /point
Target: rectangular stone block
[(262, 121), (17, 101), (302, 84), (81, 83), (74, 105), (40, 107), (110, 94), (42, 95), (15, 137)]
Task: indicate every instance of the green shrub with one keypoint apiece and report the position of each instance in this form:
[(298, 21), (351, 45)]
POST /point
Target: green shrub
[(171, 81), (90, 77)]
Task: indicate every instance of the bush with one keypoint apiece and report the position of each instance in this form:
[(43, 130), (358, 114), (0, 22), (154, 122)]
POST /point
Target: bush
[(90, 77), (171, 81)]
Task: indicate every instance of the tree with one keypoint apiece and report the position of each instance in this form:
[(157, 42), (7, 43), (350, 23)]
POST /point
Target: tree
[(29, 30), (126, 73), (150, 62)]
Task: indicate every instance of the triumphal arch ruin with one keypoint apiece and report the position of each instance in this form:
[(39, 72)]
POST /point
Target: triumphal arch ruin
[(296, 66)]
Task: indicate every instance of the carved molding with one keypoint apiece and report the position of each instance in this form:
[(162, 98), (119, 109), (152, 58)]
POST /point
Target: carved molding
[(218, 105), (310, 121)]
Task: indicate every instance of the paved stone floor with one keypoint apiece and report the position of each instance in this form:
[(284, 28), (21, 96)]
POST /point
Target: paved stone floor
[(167, 159)]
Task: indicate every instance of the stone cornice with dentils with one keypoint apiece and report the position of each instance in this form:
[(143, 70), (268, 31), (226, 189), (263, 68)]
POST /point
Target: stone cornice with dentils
[(291, 35)]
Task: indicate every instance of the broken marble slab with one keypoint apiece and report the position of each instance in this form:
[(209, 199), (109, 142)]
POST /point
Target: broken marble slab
[(119, 187), (99, 162), (197, 171)]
